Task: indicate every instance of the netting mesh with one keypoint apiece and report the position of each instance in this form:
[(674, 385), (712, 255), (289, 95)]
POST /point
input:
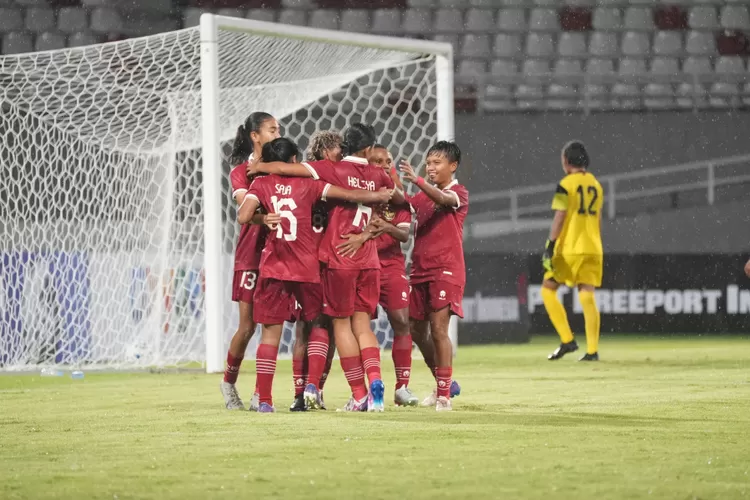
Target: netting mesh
[(101, 223)]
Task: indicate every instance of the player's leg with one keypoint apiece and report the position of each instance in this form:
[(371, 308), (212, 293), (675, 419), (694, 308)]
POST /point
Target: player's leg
[(394, 297), (299, 365), (338, 294), (365, 306), (558, 317), (588, 277), (329, 359), (439, 331), (243, 287)]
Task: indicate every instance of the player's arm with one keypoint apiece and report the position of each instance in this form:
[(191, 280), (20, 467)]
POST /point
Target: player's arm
[(437, 195), (560, 207), (246, 212), (398, 232), (281, 168), (356, 195)]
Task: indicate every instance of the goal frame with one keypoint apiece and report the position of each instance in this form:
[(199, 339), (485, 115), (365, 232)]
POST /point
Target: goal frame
[(210, 24)]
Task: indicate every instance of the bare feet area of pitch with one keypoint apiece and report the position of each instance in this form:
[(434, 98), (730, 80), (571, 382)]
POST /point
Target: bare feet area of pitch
[(655, 418)]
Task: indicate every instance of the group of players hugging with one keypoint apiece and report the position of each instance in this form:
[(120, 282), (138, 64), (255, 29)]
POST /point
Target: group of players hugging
[(320, 245)]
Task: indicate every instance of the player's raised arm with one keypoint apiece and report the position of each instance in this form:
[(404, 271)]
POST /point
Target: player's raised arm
[(438, 165), (281, 168), (357, 195)]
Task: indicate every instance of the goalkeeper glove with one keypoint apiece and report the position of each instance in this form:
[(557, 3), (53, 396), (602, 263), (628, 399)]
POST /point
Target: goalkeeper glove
[(549, 250)]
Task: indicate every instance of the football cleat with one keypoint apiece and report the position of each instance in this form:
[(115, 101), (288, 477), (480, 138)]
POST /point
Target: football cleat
[(564, 349), (266, 408), (375, 398), (443, 404), (431, 400), (299, 404), (590, 357), (255, 402), (404, 397), (231, 397), (356, 405), (312, 397), (322, 402), (455, 389)]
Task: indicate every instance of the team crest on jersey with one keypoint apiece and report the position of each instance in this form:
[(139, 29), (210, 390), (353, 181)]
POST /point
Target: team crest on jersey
[(388, 214)]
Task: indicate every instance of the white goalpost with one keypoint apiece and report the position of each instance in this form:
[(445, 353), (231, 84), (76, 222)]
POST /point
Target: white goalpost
[(117, 228)]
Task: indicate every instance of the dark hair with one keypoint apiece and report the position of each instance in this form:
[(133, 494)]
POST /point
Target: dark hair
[(377, 145), (281, 149), (448, 149), (243, 146), (358, 137), (575, 154)]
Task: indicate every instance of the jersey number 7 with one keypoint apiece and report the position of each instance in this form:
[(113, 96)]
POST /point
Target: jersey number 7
[(363, 216)]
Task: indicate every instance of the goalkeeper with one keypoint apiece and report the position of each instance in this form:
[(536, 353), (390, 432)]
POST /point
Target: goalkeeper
[(573, 254)]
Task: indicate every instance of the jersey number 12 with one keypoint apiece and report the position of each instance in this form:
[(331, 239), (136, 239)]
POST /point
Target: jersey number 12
[(582, 207)]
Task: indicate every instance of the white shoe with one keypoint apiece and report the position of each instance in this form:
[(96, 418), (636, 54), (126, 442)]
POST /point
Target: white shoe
[(404, 397), (443, 404), (255, 402), (231, 397), (430, 400)]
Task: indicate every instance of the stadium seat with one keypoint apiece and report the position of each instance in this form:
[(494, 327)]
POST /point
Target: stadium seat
[(82, 39), (626, 96), (639, 19), (730, 65), (476, 46), (746, 92), (540, 45), (39, 19), (600, 67), (324, 19), (503, 67), (668, 43), (386, 21), (632, 68), (636, 44), (697, 65), (546, 3), (357, 20), (17, 43), (468, 69), (417, 21), (480, 20), (72, 19), (568, 67), (575, 19), (142, 23), (703, 17), (699, 43), (483, 4), (724, 95), (104, 20), (231, 12), (689, 95), (299, 4), (457, 4), (529, 96), (665, 66), (603, 44), (507, 45), (572, 44), (268, 15), (561, 96), (30, 3), (191, 17), (544, 20), (735, 17), (732, 43), (451, 39), (293, 17), (511, 20), (448, 21), (580, 3), (49, 41), (10, 20), (421, 4), (671, 17), (647, 3), (607, 19), (658, 96), (535, 67)]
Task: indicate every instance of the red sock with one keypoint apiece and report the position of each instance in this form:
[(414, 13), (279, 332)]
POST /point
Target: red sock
[(326, 371), (298, 375), (371, 363), (401, 352), (233, 369), (317, 354), (444, 374), (265, 368), (355, 375)]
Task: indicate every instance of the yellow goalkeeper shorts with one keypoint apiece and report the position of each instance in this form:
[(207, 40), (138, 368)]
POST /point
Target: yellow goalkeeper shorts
[(573, 270)]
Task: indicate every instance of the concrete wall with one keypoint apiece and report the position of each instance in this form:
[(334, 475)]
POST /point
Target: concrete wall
[(509, 150)]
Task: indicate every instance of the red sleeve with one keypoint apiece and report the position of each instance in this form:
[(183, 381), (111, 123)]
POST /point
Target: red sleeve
[(238, 178), (320, 189), (462, 193), (321, 170), (403, 216), (256, 190)]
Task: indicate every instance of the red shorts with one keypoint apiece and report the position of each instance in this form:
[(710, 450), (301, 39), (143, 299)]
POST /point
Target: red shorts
[(243, 286), (435, 295), (276, 301), (394, 291), (346, 291)]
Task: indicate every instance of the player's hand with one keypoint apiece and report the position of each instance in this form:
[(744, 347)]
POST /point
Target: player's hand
[(271, 221), (252, 168), (549, 250), (747, 269), (353, 243), (409, 173), (384, 195)]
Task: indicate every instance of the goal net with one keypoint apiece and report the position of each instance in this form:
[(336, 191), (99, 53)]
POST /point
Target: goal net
[(115, 213)]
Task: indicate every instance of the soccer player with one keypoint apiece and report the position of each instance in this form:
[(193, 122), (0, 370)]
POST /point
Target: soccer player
[(573, 254), (289, 267), (392, 225), (259, 128), (350, 284), (438, 274)]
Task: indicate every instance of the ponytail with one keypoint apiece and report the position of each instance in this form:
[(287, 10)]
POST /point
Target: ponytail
[(243, 145)]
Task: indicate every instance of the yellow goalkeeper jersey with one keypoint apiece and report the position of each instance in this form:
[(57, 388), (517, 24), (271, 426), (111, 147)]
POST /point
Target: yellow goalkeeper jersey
[(580, 196)]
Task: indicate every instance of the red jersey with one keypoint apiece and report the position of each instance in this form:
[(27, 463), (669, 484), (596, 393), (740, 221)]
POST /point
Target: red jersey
[(389, 248), (290, 251), (252, 237), (345, 218), (438, 247), (319, 221)]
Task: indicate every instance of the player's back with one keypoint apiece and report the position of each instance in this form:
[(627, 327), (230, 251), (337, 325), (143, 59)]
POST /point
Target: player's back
[(290, 251), (581, 233)]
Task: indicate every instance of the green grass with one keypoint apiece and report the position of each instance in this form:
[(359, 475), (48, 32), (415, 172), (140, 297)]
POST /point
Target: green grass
[(656, 418)]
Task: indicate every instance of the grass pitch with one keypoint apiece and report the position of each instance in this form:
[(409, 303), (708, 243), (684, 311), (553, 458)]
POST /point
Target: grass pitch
[(656, 418)]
